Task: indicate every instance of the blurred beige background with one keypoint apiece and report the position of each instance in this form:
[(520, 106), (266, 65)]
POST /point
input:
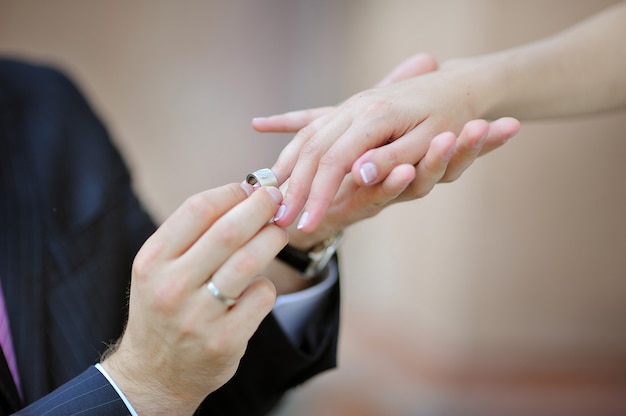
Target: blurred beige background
[(502, 293)]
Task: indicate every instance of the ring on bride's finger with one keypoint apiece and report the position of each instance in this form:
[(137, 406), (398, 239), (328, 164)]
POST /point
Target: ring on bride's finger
[(219, 295), (262, 177)]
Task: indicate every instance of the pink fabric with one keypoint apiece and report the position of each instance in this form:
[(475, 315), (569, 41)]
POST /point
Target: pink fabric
[(7, 343)]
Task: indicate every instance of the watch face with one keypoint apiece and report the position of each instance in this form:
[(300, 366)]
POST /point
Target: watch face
[(311, 263), (322, 255)]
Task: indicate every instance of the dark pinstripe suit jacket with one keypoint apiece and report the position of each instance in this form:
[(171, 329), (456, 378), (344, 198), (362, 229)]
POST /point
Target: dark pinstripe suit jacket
[(69, 228)]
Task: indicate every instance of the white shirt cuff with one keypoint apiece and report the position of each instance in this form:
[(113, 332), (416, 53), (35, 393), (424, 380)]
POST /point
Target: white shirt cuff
[(117, 389), (293, 309)]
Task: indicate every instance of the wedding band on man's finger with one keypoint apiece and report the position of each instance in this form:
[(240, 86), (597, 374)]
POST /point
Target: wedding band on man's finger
[(228, 301)]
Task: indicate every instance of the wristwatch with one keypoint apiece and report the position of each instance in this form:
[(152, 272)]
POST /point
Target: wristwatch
[(311, 263)]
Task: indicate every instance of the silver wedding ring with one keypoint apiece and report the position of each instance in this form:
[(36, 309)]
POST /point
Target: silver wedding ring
[(219, 295), (262, 177)]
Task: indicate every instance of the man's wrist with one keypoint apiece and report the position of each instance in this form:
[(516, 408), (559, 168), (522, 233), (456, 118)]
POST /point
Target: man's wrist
[(119, 391), (144, 393)]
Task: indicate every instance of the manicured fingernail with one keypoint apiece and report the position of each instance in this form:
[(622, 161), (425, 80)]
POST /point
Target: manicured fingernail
[(247, 188), (304, 218), (259, 118), (368, 172), (275, 193), (280, 212)]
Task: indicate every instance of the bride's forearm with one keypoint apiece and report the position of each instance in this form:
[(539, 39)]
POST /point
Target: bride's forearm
[(581, 70)]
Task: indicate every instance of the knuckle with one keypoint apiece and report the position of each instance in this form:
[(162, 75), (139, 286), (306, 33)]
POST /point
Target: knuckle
[(187, 328), (199, 205), (388, 156), (374, 105), (266, 292), (223, 343), (311, 150), (433, 171), (306, 132), (167, 296), (379, 108), (297, 187), (142, 265), (146, 258), (229, 233), (329, 159), (245, 265), (449, 177), (372, 208), (420, 192)]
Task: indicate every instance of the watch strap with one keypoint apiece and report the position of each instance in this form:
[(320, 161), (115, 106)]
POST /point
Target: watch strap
[(295, 258), (312, 262)]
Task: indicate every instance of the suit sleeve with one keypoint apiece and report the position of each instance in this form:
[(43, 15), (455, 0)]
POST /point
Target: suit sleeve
[(88, 394), (271, 366), (94, 177)]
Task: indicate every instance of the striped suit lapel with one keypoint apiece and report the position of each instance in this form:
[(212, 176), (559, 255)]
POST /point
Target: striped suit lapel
[(21, 250), (9, 398)]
